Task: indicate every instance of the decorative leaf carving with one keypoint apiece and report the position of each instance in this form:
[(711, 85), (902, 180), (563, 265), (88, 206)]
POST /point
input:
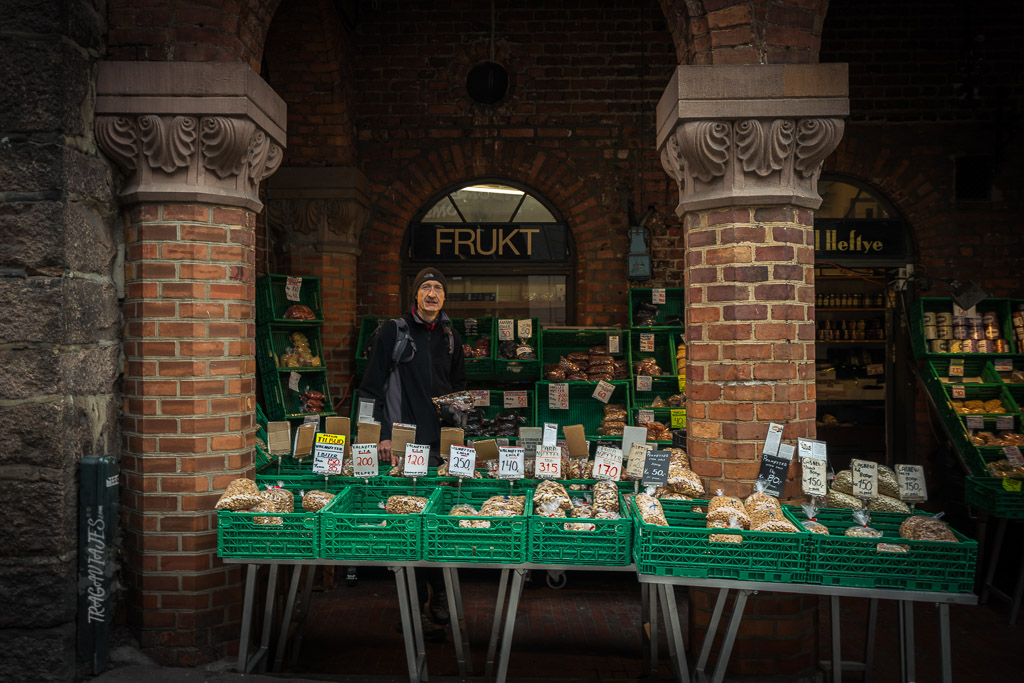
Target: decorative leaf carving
[(118, 139), (815, 140), (225, 143), (167, 147), (760, 152), (705, 148)]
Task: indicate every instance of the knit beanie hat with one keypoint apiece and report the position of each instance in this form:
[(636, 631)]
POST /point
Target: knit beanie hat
[(428, 274)]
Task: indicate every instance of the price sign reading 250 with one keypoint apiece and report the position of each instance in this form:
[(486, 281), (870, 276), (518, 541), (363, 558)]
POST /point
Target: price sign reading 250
[(462, 462)]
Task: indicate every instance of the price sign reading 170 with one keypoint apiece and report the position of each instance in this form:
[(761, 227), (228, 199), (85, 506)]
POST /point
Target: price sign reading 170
[(608, 463)]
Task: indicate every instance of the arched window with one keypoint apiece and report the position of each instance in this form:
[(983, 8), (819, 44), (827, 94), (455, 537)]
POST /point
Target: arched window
[(857, 226), (503, 249)]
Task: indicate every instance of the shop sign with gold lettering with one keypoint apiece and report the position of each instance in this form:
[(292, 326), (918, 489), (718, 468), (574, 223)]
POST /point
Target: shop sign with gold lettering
[(485, 242), (864, 240)]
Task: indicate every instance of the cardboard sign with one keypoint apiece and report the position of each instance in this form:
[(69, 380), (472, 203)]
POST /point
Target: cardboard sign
[(304, 436), (655, 468), (548, 462), (510, 462), (279, 438), (865, 478), (637, 457), (630, 436), (400, 436), (451, 436), (529, 439), (364, 460), (608, 463), (462, 462), (341, 426), (576, 441), (486, 450), (416, 458), (368, 432), (910, 479)]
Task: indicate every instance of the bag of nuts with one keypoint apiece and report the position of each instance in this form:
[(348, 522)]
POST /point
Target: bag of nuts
[(275, 500), (733, 523), (606, 496), (925, 528), (812, 524), (888, 504), (312, 501), (550, 490), (650, 509), (722, 507), (861, 529), (405, 505), (241, 494)]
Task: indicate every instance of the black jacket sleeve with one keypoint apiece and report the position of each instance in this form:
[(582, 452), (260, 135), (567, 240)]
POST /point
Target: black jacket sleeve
[(377, 370), (457, 373)]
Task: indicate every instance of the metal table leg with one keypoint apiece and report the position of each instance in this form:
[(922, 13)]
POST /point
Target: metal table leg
[(499, 611), (412, 632), (837, 650), (510, 624), (709, 635), (303, 608), (259, 659), (286, 619), (869, 641), (730, 635), (1018, 590), (993, 560), (675, 635), (242, 666), (645, 631), (458, 619), (947, 656), (908, 665), (652, 598)]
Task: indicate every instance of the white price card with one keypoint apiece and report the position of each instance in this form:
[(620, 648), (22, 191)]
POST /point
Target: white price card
[(603, 391), (524, 328), (956, 367), (637, 456), (470, 325), (416, 456), (330, 444), (548, 462), (646, 342), (364, 460), (558, 396), (510, 462), (812, 478), (292, 288), (293, 381), (506, 330), (910, 479), (658, 295), (1013, 455), (974, 421), (550, 436), (614, 344), (462, 462), (644, 383), (1004, 423), (326, 464), (608, 463), (365, 410), (644, 416), (515, 399), (1003, 364), (481, 397), (865, 478), (958, 391), (773, 439)]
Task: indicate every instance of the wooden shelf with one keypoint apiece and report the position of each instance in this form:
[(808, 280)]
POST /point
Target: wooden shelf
[(829, 309), (850, 341)]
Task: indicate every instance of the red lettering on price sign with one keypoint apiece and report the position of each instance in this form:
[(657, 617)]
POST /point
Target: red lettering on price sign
[(603, 392), (548, 462), (416, 460), (608, 463)]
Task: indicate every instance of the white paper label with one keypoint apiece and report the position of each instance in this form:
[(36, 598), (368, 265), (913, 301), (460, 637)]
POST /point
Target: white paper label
[(865, 478), (614, 344), (646, 342), (958, 391), (608, 463), (603, 391), (786, 452), (1004, 423), (644, 416), (416, 456), (293, 381), (558, 396), (506, 330), (548, 463), (658, 296), (1013, 455), (550, 437), (812, 478), (524, 328), (910, 479), (644, 383), (326, 464), (365, 411), (462, 462), (956, 367), (529, 438), (1003, 364), (364, 460), (637, 457), (481, 397), (974, 421), (773, 440), (328, 454), (292, 288), (510, 462), (515, 399)]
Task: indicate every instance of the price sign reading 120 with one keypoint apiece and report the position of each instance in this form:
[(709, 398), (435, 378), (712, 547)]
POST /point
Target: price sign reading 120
[(416, 460)]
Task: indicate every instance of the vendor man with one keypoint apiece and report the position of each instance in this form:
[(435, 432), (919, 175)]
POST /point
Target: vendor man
[(431, 364)]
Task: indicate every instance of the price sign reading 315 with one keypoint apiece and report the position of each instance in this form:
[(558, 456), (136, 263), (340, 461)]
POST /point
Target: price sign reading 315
[(548, 462), (462, 461)]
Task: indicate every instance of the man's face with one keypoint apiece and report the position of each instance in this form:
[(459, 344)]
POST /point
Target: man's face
[(430, 298)]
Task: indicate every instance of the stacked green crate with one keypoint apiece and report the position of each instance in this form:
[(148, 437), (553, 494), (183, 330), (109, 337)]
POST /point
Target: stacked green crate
[(367, 327), (646, 346), (584, 408), (660, 341), (670, 312), (478, 334), (921, 341), (663, 402), (284, 377)]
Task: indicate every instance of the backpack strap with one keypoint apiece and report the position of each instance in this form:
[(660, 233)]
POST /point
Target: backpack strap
[(402, 341)]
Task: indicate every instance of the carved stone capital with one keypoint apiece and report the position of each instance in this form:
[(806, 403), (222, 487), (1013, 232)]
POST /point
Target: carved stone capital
[(324, 209), (189, 132), (750, 134)]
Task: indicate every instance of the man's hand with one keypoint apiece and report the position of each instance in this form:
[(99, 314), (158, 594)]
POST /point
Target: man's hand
[(384, 452)]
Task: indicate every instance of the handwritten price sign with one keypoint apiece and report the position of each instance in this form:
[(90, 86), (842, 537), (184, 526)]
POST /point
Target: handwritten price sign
[(812, 479), (910, 479), (558, 396), (326, 464), (515, 399), (510, 462), (865, 478), (603, 392), (416, 456), (462, 462), (608, 463), (525, 328), (364, 460), (506, 330), (548, 462)]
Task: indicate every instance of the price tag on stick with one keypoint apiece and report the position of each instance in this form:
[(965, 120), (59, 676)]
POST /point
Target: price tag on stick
[(608, 463), (910, 479), (524, 328), (655, 468), (510, 462), (364, 460), (462, 462), (637, 457), (773, 472), (506, 330), (865, 478), (416, 456), (812, 478), (548, 462), (326, 464)]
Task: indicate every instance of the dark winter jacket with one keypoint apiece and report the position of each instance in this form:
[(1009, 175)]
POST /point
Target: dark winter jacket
[(431, 370)]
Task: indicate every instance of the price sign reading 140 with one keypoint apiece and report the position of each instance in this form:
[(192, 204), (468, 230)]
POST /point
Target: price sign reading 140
[(548, 462), (364, 460), (462, 461), (510, 462), (608, 463)]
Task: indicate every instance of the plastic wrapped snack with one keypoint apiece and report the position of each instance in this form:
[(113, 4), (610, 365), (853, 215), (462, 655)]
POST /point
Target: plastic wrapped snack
[(503, 506), (316, 500), (581, 509), (579, 526), (681, 479), (606, 496), (887, 484), (1005, 469), (925, 528), (550, 490), (892, 548), (276, 500), (650, 510), (768, 518), (812, 524), (721, 508), (405, 505), (265, 506), (888, 504), (678, 456), (838, 499), (299, 312), (843, 483), (860, 529), (241, 494), (463, 510), (759, 498), (577, 469), (615, 412), (733, 523), (549, 508)]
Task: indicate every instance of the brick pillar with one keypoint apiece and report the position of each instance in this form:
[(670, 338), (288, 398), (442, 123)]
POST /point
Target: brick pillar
[(194, 141), (317, 216), (746, 144)]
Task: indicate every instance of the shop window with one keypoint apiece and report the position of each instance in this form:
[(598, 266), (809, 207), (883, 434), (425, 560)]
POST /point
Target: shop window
[(503, 249)]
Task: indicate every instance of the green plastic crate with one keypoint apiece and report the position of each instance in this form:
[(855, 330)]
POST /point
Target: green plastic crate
[(273, 342), (356, 527), (478, 368), (1017, 363), (839, 560), (583, 409), (982, 392), (608, 544), (975, 367), (945, 305), (367, 326), (661, 387), (445, 540), (1016, 393), (558, 342), (271, 302), (296, 537), (684, 548), (283, 404), (988, 495), (675, 299), (664, 352), (519, 370)]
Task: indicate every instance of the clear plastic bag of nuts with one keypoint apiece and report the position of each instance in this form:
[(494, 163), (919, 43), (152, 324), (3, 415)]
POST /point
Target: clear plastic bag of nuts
[(405, 505), (240, 494)]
